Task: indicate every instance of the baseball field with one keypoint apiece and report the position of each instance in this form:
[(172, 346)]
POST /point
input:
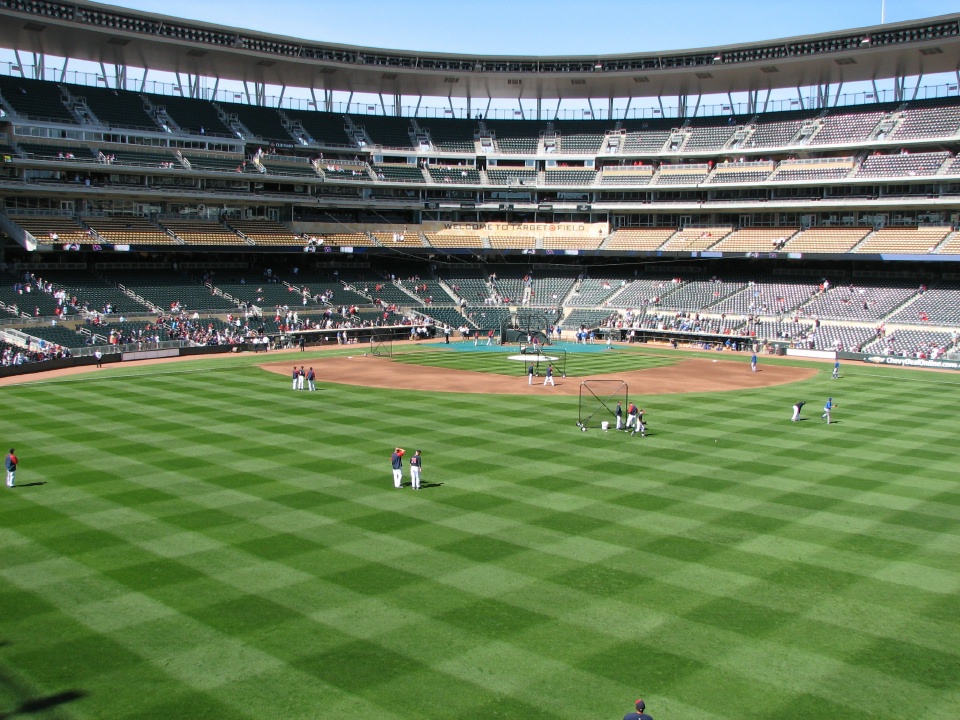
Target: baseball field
[(197, 540)]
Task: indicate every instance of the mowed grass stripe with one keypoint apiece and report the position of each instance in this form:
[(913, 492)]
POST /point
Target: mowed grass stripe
[(529, 510)]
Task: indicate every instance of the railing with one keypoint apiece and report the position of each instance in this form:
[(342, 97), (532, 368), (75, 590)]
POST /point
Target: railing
[(218, 93)]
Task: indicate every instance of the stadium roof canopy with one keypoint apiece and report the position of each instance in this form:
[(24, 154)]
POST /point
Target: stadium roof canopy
[(121, 37)]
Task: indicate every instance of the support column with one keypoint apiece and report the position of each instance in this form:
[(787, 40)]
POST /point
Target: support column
[(836, 95), (610, 108), (63, 70), (39, 65), (917, 86), (21, 63), (899, 83), (396, 105)]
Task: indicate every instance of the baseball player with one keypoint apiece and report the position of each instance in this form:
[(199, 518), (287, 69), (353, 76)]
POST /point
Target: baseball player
[(294, 375), (530, 374), (301, 376), (11, 462), (836, 370), (311, 380), (640, 427), (797, 407), (416, 464), (753, 362), (549, 377), (396, 460), (632, 418), (619, 413), (641, 706), (827, 409)]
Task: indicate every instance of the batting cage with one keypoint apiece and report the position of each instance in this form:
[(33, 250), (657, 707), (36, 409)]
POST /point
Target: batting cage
[(598, 403), (381, 347), (529, 324)]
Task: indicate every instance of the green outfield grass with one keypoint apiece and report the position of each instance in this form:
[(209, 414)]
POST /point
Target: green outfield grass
[(575, 364), (198, 541)]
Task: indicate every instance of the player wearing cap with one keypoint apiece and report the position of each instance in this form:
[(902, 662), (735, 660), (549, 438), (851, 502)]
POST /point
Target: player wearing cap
[(632, 418), (11, 462), (311, 380), (416, 464), (396, 460), (548, 378), (797, 407), (753, 362), (640, 426), (827, 409), (619, 416), (639, 714), (836, 370), (294, 375)]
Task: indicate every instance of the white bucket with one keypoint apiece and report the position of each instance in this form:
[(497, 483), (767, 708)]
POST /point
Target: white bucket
[(605, 425)]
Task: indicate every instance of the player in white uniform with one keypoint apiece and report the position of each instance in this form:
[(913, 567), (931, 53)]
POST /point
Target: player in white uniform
[(416, 464)]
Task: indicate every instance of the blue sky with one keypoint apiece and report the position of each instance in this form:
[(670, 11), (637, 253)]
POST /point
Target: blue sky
[(544, 27)]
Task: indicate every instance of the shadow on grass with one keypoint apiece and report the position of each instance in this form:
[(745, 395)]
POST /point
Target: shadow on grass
[(42, 704)]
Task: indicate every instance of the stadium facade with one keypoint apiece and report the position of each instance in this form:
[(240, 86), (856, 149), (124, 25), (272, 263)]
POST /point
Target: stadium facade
[(116, 180)]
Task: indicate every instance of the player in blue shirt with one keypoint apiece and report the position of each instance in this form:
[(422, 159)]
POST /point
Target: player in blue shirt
[(836, 370), (827, 409)]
